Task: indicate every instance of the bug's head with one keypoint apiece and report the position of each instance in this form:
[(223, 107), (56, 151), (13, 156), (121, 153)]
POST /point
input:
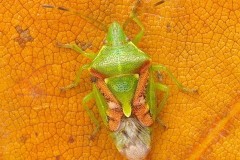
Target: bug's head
[(116, 35)]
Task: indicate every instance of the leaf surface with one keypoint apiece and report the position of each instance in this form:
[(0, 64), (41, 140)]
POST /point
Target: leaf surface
[(198, 41)]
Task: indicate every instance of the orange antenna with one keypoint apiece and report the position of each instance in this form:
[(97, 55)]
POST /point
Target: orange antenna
[(96, 23)]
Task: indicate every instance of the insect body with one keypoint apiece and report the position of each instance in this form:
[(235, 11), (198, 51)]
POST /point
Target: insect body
[(124, 89), (121, 73)]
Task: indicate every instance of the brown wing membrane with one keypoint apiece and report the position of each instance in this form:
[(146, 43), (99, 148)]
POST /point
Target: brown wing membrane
[(114, 111), (140, 108)]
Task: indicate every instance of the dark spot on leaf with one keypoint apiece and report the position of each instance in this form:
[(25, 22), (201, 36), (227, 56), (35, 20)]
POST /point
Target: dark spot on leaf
[(24, 138), (58, 157), (47, 6), (24, 36), (160, 2), (168, 27), (71, 139), (63, 9)]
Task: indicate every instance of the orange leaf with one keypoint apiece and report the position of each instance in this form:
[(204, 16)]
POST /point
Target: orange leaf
[(198, 41)]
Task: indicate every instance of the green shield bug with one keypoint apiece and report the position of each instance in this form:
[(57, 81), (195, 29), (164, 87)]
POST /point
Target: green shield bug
[(124, 88)]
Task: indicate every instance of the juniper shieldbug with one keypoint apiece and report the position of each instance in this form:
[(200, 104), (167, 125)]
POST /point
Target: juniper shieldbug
[(124, 88)]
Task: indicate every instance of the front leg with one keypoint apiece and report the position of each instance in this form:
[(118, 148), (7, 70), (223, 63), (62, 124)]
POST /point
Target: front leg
[(133, 16), (76, 48)]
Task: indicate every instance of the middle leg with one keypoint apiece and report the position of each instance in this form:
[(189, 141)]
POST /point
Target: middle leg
[(77, 79), (76, 48)]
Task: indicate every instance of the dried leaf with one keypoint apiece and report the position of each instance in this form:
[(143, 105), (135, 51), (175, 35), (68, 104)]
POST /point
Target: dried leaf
[(198, 41)]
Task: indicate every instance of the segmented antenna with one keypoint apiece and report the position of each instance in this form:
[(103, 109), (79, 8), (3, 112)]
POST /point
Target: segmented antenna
[(96, 23)]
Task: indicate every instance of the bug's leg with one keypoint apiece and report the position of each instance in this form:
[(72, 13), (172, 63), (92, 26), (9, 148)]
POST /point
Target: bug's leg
[(139, 36), (77, 79), (133, 16), (160, 76), (129, 19), (161, 123), (151, 97), (76, 48), (91, 115), (160, 67), (165, 90)]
